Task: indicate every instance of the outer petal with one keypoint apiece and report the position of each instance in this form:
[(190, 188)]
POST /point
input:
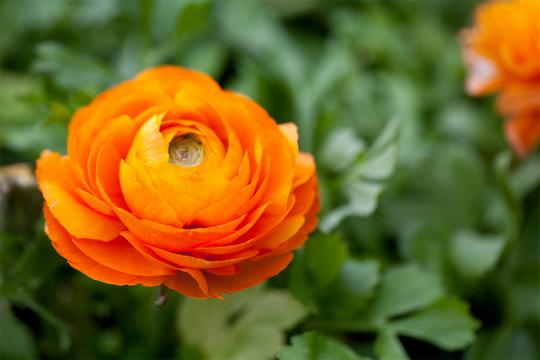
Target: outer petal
[(190, 282), (483, 76), (518, 97), (251, 273), (76, 217), (523, 131), (173, 78), (63, 244), (185, 261), (119, 255)]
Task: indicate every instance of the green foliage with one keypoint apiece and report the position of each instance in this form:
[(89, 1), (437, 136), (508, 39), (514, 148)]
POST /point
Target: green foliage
[(446, 324), (405, 289), (429, 236), (387, 346), (474, 255), (16, 340), (315, 346), (246, 325), (324, 257), (363, 180)]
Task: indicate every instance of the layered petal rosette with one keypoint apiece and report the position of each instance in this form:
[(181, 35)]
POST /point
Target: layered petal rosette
[(169, 179)]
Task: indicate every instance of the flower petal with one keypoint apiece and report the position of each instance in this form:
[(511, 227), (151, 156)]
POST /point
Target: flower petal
[(64, 245), (76, 217), (251, 273)]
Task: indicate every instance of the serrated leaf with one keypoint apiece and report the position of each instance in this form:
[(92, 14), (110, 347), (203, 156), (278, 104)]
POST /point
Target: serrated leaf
[(388, 346), (246, 325), (404, 289), (447, 324), (473, 254), (315, 346)]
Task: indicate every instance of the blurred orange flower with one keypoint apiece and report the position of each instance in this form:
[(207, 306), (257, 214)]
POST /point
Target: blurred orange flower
[(502, 53), (171, 180)]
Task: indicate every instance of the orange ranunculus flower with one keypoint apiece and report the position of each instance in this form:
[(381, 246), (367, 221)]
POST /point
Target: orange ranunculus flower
[(171, 180), (502, 53)]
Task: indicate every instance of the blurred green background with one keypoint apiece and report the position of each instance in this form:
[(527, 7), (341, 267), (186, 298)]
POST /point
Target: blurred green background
[(428, 246)]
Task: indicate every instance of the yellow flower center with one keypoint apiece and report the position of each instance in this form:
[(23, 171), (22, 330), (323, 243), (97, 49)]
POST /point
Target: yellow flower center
[(186, 150)]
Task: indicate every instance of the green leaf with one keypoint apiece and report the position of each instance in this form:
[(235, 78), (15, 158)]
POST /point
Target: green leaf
[(32, 139), (325, 255), (95, 12), (315, 267), (15, 339), (447, 324), (365, 179), (363, 202), (22, 297), (315, 346), (326, 75), (388, 346), (266, 42), (300, 282), (473, 254), (72, 69), (526, 177), (352, 289), (505, 343), (340, 149), (246, 325), (405, 289), (165, 16), (207, 56)]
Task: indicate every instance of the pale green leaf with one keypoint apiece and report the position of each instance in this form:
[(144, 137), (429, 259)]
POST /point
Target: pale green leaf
[(246, 325), (340, 149), (447, 324), (388, 346), (473, 254), (363, 202), (315, 346), (378, 167), (364, 181), (404, 289)]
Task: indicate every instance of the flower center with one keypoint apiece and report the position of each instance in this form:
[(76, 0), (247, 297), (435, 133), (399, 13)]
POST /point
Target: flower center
[(186, 150)]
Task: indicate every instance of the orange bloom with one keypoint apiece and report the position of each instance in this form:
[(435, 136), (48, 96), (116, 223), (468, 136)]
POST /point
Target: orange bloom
[(171, 180), (502, 53), (523, 130)]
